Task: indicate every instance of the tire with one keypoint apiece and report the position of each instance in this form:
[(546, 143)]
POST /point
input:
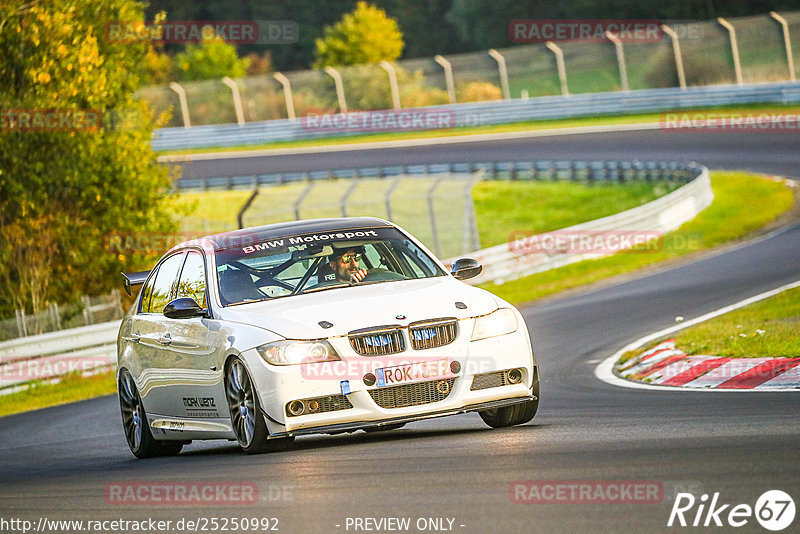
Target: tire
[(516, 414), (134, 423), (248, 423)]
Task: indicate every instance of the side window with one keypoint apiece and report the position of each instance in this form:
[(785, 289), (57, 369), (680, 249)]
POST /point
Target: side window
[(165, 282), (193, 279), (147, 292)]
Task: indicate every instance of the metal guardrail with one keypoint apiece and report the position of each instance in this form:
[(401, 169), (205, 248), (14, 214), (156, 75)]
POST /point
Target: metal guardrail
[(494, 112), (545, 170), (518, 258), (56, 354)]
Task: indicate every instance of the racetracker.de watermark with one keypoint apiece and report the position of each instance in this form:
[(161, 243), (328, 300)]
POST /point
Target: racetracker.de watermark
[(585, 30), (586, 491), (193, 493), (380, 121), (732, 121), (585, 242), (50, 367), (196, 31)]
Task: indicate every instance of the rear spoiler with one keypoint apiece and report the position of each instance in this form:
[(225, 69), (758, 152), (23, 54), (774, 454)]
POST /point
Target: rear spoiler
[(131, 280)]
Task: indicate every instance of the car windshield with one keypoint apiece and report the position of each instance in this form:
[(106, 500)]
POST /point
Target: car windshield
[(307, 263)]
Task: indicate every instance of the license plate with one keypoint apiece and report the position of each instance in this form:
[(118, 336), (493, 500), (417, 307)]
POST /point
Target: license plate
[(413, 372)]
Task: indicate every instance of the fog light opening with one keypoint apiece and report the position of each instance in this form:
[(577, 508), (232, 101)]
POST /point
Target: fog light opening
[(297, 407), (455, 367), (313, 406), (515, 376)]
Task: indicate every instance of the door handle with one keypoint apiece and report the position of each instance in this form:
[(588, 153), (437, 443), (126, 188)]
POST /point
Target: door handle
[(166, 339), (133, 338)]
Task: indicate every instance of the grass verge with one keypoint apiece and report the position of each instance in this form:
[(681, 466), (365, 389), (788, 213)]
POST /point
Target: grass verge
[(730, 217), (766, 329), (475, 130), (71, 388)]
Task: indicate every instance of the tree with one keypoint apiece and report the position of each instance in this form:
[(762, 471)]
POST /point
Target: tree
[(211, 59), (364, 36), (66, 185)]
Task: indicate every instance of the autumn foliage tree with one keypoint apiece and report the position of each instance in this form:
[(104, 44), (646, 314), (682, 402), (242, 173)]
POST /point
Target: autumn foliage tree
[(367, 35), (66, 186)]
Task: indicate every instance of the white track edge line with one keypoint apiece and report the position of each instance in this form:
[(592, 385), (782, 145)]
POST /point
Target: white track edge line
[(604, 370)]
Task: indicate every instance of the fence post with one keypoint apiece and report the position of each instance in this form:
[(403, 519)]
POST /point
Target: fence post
[(432, 214), (287, 94), (237, 99), (448, 77), (87, 310), (562, 70), (786, 41), (737, 66), (387, 199), (337, 80), (676, 51), (471, 240), (390, 70), (301, 198), (187, 123), (503, 71), (623, 70), (55, 316), (346, 195), (21, 326)]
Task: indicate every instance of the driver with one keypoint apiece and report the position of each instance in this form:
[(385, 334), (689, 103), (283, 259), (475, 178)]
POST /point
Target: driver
[(346, 265)]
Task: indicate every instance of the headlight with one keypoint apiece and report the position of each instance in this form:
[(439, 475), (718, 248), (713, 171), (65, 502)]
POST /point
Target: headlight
[(497, 323), (297, 352)]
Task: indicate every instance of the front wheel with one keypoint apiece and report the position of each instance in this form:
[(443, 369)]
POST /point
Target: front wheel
[(516, 414), (248, 423), (134, 423)]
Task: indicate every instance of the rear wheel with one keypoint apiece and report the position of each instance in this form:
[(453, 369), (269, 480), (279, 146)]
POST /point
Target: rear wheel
[(134, 423), (516, 414), (246, 418)]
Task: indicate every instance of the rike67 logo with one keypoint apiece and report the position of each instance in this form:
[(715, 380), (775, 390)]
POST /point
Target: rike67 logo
[(774, 510)]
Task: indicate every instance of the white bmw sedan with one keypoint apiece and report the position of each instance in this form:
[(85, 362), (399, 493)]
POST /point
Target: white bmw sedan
[(319, 326)]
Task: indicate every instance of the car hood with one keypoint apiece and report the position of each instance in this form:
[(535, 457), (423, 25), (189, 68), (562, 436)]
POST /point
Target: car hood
[(353, 308)]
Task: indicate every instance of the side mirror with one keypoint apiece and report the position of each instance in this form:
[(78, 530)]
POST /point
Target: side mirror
[(184, 308), (465, 268)]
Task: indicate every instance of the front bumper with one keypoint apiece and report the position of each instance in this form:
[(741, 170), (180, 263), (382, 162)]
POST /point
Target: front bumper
[(350, 427)]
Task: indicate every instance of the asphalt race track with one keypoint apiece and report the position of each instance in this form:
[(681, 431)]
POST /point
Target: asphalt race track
[(57, 463), (768, 152)]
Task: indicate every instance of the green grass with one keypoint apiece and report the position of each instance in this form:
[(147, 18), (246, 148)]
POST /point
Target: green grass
[(505, 210), (474, 130), (766, 329), (730, 217), (70, 389)]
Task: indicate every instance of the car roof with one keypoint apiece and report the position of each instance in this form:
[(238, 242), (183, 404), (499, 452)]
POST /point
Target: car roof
[(257, 234)]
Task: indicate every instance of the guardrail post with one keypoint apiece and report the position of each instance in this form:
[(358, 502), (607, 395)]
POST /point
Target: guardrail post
[(503, 71), (387, 199), (346, 195), (187, 123), (432, 213), (390, 70), (787, 42), (301, 198), (337, 80), (562, 70), (737, 66), (448, 77), (676, 51), (287, 94), (237, 99), (623, 70)]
